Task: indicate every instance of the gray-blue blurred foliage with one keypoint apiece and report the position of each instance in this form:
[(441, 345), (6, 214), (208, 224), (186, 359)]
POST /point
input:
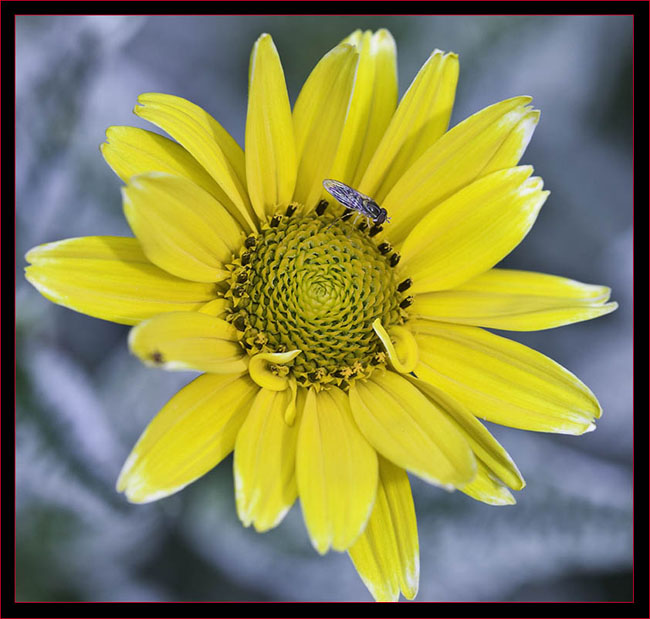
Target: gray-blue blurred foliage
[(83, 400)]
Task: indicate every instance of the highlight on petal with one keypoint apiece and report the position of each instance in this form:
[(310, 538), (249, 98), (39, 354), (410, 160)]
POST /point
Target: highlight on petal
[(420, 120), (318, 118), (265, 461), (515, 300), (473, 230), (189, 341), (208, 142), (190, 435), (181, 228), (503, 381), (131, 151), (270, 147), (373, 102), (411, 431), (490, 140), (336, 470), (387, 554), (109, 277)]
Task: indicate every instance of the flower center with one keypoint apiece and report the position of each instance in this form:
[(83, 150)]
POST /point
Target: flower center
[(316, 284)]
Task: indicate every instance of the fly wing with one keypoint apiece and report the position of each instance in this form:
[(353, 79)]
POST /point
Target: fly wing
[(344, 194)]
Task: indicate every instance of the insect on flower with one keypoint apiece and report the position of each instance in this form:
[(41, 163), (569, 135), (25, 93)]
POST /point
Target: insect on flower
[(356, 201)]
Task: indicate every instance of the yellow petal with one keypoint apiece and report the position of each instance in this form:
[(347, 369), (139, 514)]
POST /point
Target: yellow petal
[(264, 374), (109, 277), (264, 465), (182, 229), (216, 307), (485, 487), (490, 140), (408, 429), (270, 148), (483, 444), (318, 117), (336, 471), (420, 119), (503, 381), (387, 555), (372, 105), (191, 434), (473, 230), (188, 341), (208, 142), (515, 300), (130, 152)]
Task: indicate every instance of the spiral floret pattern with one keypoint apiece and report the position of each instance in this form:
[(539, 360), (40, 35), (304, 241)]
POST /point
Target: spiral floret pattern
[(315, 284)]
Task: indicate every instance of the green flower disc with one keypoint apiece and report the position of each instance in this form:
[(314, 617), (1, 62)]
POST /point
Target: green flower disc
[(307, 283)]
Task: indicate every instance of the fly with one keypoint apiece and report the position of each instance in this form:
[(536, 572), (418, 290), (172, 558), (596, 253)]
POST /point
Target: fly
[(356, 201)]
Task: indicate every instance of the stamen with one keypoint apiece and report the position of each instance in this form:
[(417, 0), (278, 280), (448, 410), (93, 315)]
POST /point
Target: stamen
[(322, 205), (405, 285), (384, 248), (375, 230), (406, 302), (394, 259)]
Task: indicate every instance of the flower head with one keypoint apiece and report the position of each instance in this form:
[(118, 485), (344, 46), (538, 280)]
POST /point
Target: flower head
[(339, 348)]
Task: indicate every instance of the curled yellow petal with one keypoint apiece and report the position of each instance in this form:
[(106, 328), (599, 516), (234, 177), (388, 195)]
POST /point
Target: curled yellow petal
[(400, 345), (263, 370)]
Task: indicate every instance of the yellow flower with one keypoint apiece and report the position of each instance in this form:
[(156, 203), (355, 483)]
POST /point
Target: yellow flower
[(337, 353)]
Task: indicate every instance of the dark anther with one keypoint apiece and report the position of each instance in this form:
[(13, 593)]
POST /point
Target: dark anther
[(242, 277), (375, 230), (405, 285), (322, 205), (245, 258), (247, 346), (238, 291), (384, 248), (362, 226), (156, 357), (348, 213), (240, 323), (337, 374), (250, 242), (406, 302), (291, 209), (275, 221), (394, 259), (375, 360), (313, 376)]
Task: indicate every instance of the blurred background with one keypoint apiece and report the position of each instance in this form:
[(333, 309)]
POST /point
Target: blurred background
[(83, 400)]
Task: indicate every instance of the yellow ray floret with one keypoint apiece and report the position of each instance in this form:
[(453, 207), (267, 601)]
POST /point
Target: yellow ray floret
[(191, 434), (181, 228), (208, 142), (265, 461), (318, 117), (386, 555), (336, 470), (270, 147), (515, 300), (503, 381), (408, 429), (109, 277), (189, 341)]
